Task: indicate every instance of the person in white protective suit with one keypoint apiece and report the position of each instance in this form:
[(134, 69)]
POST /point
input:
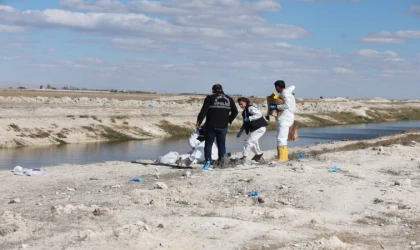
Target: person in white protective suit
[(285, 119), (255, 126)]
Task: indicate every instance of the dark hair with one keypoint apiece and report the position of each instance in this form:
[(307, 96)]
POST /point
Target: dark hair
[(217, 87), (243, 99), (280, 84)]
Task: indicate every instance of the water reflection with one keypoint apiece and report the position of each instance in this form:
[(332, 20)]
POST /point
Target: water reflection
[(151, 149)]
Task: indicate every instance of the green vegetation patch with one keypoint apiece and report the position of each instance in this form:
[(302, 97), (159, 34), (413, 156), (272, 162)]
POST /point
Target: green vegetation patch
[(113, 135), (174, 130)]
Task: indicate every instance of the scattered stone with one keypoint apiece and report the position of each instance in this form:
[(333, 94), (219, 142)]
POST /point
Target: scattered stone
[(98, 212), (70, 189), (116, 186), (260, 200), (284, 189), (160, 226), (376, 201), (15, 200), (23, 246), (403, 183), (160, 185)]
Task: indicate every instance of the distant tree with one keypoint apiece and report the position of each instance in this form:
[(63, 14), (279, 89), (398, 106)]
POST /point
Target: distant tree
[(48, 86), (321, 97), (41, 87)]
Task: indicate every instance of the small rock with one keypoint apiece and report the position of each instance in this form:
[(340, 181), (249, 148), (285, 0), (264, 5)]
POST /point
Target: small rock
[(404, 183), (98, 212), (23, 246), (160, 185), (15, 200), (160, 226), (38, 204), (413, 243), (284, 189), (70, 189), (260, 200), (376, 201), (116, 186)]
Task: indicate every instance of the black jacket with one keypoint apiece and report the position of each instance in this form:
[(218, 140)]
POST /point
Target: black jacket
[(251, 126), (219, 110)]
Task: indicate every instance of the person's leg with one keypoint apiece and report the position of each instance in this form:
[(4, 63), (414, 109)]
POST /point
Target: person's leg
[(247, 145), (257, 134), (221, 141), (283, 125), (209, 136)]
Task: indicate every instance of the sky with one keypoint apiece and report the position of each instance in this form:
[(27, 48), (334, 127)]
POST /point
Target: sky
[(329, 48)]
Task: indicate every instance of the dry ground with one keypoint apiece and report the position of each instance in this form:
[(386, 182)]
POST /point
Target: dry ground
[(370, 203)]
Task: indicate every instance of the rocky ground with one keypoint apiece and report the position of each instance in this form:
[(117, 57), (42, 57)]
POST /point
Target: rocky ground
[(371, 202)]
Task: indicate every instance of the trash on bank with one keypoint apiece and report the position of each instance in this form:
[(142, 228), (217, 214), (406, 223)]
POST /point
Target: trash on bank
[(136, 180), (300, 157), (150, 106), (253, 194), (18, 170), (335, 169)]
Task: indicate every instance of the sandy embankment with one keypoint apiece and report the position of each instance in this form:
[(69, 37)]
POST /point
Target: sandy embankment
[(370, 203), (54, 117)]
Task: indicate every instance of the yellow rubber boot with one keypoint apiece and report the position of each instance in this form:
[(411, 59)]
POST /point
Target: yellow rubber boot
[(283, 154)]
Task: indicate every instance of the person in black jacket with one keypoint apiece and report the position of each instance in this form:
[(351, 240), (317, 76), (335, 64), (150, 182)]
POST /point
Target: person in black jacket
[(254, 126), (219, 110)]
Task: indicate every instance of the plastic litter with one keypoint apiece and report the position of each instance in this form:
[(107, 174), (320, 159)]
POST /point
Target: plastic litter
[(253, 194), (150, 106), (136, 180), (335, 169), (93, 178), (243, 160), (300, 157)]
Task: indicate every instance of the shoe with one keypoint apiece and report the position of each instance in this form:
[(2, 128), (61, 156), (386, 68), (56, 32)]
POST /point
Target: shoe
[(243, 161), (257, 157), (206, 165)]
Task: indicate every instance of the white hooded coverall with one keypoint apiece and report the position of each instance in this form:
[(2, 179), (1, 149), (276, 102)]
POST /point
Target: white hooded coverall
[(251, 141), (287, 116)]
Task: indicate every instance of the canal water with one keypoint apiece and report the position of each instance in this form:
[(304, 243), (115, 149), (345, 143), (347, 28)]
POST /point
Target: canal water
[(34, 157)]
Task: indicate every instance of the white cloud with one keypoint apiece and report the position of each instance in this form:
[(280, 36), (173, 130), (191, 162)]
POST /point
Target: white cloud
[(140, 25), (415, 10), (387, 37), (176, 7), (90, 60), (339, 70), (11, 29), (377, 54)]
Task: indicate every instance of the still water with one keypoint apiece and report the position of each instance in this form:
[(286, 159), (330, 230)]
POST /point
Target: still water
[(32, 157)]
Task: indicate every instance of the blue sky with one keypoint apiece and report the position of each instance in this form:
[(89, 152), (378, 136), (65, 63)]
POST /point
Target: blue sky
[(330, 48)]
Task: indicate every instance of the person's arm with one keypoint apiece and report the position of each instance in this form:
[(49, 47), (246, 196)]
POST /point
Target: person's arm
[(233, 111), (287, 101), (255, 113), (203, 112)]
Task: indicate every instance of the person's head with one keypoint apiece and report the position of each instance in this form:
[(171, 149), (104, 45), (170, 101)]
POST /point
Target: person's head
[(242, 101), (217, 88), (280, 86)]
